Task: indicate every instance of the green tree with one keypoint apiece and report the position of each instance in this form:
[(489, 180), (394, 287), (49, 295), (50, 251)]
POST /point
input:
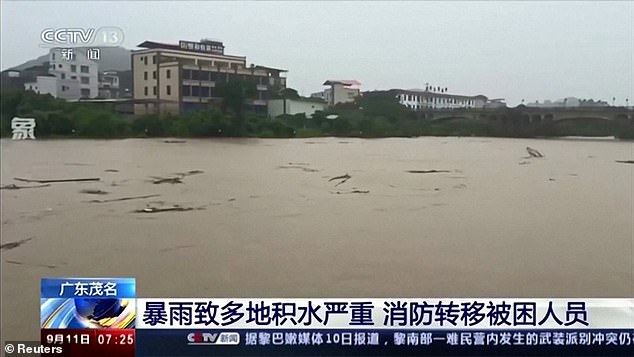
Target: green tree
[(234, 96)]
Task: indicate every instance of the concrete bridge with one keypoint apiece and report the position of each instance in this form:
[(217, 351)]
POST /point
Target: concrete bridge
[(528, 115)]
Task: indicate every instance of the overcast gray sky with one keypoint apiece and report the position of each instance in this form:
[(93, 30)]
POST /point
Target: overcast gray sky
[(509, 49)]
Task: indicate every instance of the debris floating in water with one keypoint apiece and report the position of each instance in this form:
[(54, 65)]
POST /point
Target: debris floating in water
[(12, 245), (343, 179), (426, 171), (58, 180), (298, 166), (533, 152), (346, 176), (94, 192), (177, 179), (189, 173), (625, 161), (174, 208), (123, 199), (354, 190), (172, 180), (16, 187)]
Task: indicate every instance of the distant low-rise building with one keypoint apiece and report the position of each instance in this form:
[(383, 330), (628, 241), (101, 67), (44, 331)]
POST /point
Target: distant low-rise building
[(14, 79), (67, 89), (495, 103), (568, 102), (418, 99), (307, 106), (339, 91), (11, 80), (109, 85)]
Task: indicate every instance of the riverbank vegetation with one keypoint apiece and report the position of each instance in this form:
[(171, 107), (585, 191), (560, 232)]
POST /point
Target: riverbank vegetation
[(372, 116)]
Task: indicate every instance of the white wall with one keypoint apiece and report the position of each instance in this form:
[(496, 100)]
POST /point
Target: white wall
[(58, 88), (43, 85), (276, 107), (342, 94), (63, 69), (420, 101)]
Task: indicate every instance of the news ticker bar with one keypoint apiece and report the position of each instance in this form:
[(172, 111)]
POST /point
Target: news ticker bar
[(335, 342), (384, 342)]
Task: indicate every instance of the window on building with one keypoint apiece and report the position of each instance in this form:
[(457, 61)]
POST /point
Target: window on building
[(145, 60), (145, 90), (204, 92), (85, 80), (168, 74), (53, 56), (154, 59), (195, 91), (63, 75), (73, 77), (73, 68), (168, 90), (154, 74), (187, 74), (187, 91), (145, 75), (154, 90), (195, 75), (84, 69), (85, 92)]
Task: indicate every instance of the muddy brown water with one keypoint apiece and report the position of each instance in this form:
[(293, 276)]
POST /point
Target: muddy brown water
[(263, 218)]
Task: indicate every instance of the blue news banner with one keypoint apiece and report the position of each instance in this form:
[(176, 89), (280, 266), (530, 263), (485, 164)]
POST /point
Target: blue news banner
[(318, 327)]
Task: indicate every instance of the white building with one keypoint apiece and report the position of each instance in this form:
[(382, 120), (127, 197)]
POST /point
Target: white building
[(568, 102), (76, 66), (277, 107), (59, 88), (339, 91), (109, 85), (418, 99)]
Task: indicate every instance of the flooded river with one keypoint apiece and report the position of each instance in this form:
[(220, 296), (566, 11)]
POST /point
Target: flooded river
[(265, 218)]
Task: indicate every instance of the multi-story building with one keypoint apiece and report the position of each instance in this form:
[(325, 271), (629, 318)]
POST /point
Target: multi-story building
[(418, 99), (75, 66), (339, 91), (173, 79)]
